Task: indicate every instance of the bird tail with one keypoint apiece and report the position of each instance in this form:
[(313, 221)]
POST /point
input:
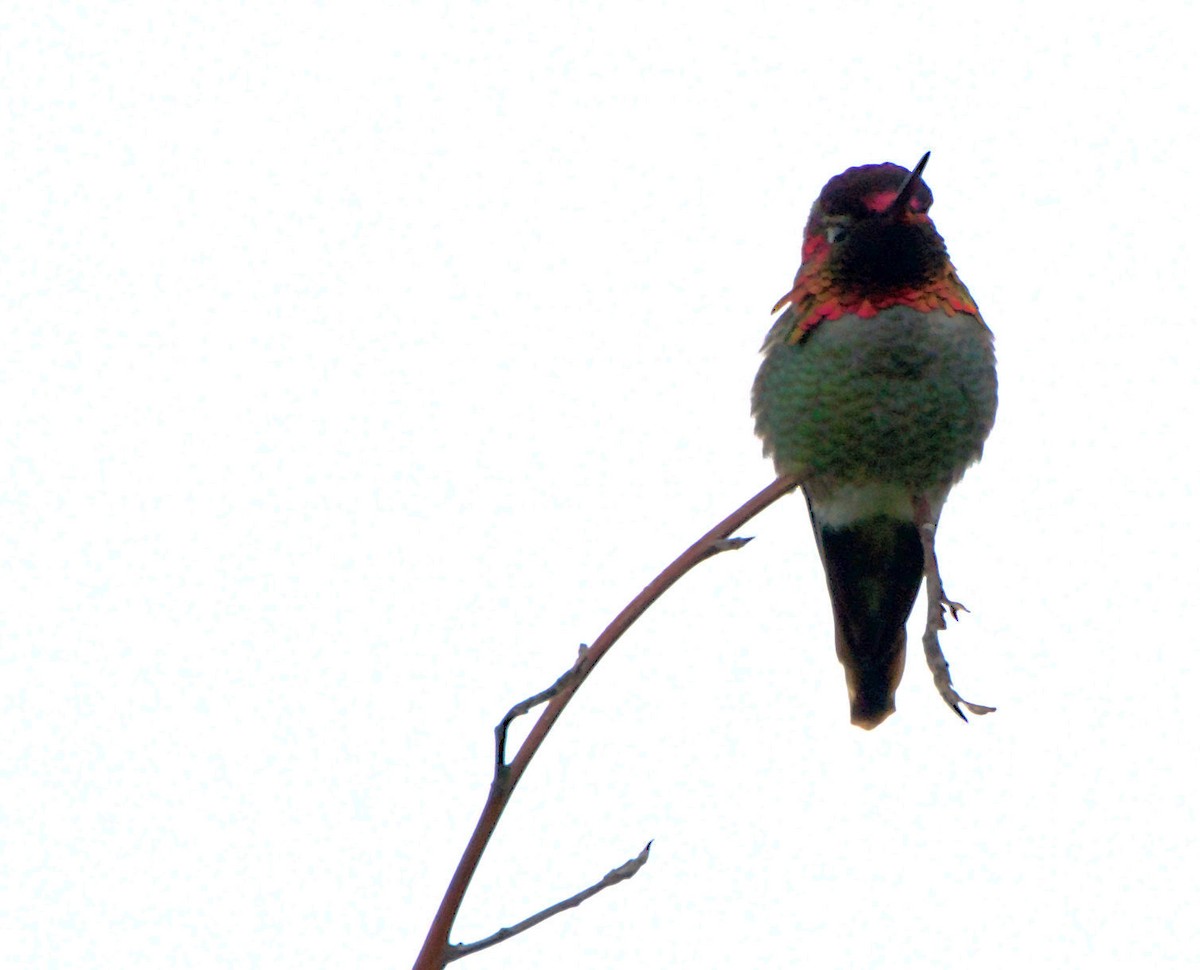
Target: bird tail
[(874, 569)]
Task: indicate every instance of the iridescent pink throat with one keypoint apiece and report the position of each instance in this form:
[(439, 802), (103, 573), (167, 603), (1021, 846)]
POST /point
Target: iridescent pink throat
[(815, 297)]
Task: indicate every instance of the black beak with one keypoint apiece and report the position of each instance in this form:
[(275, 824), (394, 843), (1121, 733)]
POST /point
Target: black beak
[(907, 190)]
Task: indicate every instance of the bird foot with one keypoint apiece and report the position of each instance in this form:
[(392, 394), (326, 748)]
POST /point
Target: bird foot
[(941, 674), (935, 620), (953, 607)]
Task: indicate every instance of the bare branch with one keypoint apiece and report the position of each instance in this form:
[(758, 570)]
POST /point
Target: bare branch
[(436, 949), (627, 870)]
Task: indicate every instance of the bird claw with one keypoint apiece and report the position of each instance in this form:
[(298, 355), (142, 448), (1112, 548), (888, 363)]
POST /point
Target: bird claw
[(953, 607), (941, 677), (953, 698)]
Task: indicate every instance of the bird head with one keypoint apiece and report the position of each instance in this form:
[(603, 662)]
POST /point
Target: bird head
[(870, 231), (869, 244)]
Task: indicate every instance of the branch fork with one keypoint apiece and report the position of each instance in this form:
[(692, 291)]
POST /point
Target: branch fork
[(437, 950)]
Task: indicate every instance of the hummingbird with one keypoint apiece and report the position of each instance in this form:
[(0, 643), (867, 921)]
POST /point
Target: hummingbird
[(876, 392)]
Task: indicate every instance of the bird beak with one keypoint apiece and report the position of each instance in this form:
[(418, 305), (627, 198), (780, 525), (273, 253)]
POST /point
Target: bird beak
[(899, 205)]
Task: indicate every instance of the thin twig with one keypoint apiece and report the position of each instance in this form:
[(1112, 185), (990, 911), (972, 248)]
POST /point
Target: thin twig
[(435, 950), (527, 705), (627, 870)]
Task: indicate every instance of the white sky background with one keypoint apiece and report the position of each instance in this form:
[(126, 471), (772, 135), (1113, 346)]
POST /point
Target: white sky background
[(360, 363)]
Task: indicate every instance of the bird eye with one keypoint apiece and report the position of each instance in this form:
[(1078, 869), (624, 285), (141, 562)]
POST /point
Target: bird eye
[(835, 234)]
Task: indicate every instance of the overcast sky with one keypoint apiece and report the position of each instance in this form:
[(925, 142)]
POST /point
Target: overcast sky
[(360, 361)]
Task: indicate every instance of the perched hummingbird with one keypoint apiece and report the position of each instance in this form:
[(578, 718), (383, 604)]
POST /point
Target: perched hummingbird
[(877, 391)]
